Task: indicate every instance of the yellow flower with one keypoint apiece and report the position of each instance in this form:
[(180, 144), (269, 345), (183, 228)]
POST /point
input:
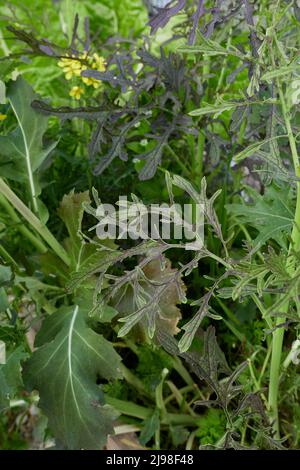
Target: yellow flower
[(71, 66), (2, 117), (76, 92), (99, 63)]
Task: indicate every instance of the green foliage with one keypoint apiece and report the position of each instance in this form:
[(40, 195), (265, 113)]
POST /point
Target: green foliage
[(184, 344)]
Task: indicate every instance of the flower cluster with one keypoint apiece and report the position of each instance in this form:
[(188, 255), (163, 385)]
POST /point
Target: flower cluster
[(72, 67), (2, 117)]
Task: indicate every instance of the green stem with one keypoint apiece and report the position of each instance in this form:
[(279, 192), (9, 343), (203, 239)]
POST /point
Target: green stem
[(34, 221)]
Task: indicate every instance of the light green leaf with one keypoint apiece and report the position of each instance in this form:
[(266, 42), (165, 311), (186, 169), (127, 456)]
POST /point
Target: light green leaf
[(209, 48), (65, 370), (82, 254), (215, 109), (21, 151), (71, 212), (221, 106)]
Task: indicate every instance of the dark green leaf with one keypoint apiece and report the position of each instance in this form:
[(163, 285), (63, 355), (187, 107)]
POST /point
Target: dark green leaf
[(74, 357)]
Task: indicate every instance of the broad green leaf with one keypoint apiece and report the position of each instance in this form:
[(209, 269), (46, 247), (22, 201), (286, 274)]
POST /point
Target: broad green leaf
[(271, 215), (22, 151), (65, 370), (10, 376)]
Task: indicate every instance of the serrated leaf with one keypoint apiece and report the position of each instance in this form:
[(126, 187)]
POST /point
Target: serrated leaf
[(71, 212), (117, 148), (66, 112), (73, 357), (152, 313)]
